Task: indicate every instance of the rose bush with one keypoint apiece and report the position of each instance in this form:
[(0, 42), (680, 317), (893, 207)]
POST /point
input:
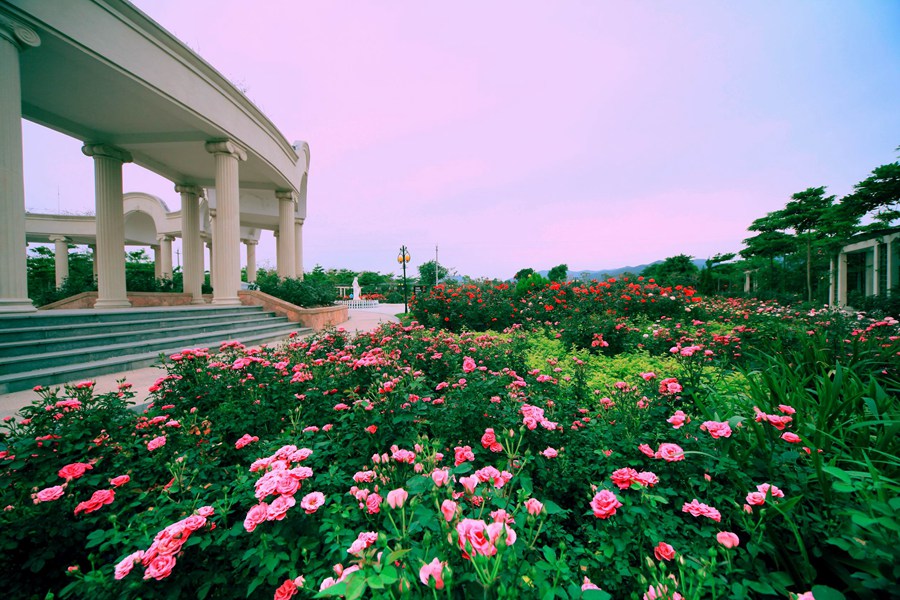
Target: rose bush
[(414, 462)]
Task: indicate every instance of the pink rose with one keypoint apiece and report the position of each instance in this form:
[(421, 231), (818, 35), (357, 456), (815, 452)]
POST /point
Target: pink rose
[(119, 481), (588, 585), (279, 507), (97, 500), (463, 454), (440, 477), (716, 429), (74, 470), (194, 522), (670, 452), (664, 551), (160, 567), (126, 564), (678, 419), (550, 453), (647, 450), (728, 539), (468, 365), (312, 502), (155, 443), (49, 494), (255, 516), (286, 590), (534, 506), (756, 499), (473, 533), (362, 541), (205, 511), (245, 440), (624, 477), (604, 504), (373, 504), (397, 498), (790, 437), (448, 509), (433, 570)]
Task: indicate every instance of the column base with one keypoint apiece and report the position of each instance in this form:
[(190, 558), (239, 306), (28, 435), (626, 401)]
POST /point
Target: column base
[(112, 303), (198, 301), (235, 301), (16, 305)]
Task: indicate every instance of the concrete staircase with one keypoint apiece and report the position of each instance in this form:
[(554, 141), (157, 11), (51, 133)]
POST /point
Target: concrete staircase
[(52, 347)]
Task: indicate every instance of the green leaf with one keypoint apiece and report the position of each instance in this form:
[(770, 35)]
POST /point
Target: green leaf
[(549, 554), (375, 582), (838, 473), (823, 592), (338, 589), (595, 595), (552, 507), (389, 574), (356, 586), (761, 587), (95, 538)]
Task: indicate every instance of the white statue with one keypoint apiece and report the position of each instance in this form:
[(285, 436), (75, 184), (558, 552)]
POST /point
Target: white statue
[(356, 289)]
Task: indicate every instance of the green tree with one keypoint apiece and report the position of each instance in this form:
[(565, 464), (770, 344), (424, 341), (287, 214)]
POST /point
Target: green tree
[(807, 215), (878, 195), (675, 270), (427, 272), (523, 273), (558, 273)]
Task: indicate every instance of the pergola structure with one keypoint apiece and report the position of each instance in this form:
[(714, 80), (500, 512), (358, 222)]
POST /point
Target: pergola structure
[(148, 222), (103, 72), (868, 265)]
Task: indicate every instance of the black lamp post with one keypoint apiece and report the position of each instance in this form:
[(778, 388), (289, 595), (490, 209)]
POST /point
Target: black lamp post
[(403, 258)]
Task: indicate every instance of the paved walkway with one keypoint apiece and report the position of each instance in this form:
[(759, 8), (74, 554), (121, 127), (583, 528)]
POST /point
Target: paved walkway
[(361, 320)]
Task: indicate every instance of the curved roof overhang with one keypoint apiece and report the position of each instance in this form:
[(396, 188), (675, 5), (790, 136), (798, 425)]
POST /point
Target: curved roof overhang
[(105, 72)]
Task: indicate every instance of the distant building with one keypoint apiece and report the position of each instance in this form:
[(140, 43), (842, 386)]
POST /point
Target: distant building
[(867, 265)]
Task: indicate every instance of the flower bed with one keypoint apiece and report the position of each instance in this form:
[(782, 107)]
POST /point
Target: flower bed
[(414, 462)]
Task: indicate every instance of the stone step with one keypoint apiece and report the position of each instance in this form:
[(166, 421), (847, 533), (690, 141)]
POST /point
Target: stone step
[(122, 334), (53, 375), (51, 318), (29, 334), (31, 362)]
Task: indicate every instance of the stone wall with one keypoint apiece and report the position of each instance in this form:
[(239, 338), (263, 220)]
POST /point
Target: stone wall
[(137, 299), (316, 319)]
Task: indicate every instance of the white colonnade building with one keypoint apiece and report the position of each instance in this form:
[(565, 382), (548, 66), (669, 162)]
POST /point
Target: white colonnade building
[(103, 72)]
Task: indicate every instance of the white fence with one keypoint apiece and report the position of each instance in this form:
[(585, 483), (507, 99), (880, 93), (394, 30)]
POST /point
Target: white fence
[(358, 303)]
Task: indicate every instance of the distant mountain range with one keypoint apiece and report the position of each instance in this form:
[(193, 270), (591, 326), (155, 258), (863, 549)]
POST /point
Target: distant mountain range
[(573, 274)]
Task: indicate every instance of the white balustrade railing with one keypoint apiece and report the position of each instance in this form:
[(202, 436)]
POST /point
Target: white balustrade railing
[(358, 303)]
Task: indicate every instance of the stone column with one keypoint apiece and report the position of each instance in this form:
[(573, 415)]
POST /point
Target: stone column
[(14, 37), (61, 258), (251, 260), (210, 245), (157, 262), (876, 268), (746, 282), (165, 247), (108, 162), (285, 253), (890, 266), (298, 249), (832, 279), (842, 279), (192, 248), (227, 236), (93, 248)]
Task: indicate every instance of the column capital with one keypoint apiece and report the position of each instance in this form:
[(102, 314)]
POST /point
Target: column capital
[(250, 242), (58, 238), (299, 221), (187, 189), (165, 237), (106, 151), (18, 33), (285, 195), (226, 147)]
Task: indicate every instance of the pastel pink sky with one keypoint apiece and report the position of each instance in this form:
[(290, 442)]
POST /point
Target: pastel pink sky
[(527, 134)]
